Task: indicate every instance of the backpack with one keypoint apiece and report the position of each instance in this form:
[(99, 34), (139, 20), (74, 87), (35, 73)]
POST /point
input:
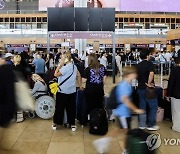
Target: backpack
[(98, 122), (112, 102)]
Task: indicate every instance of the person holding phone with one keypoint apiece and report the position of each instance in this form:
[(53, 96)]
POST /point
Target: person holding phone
[(67, 74)]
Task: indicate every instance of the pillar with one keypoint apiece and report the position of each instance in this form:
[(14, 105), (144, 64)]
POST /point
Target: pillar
[(80, 44)]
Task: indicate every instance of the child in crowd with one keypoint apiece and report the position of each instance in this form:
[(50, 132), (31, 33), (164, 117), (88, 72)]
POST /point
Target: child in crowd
[(123, 111)]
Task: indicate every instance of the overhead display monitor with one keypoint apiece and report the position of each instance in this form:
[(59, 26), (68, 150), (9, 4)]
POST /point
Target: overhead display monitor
[(119, 5), (81, 19)]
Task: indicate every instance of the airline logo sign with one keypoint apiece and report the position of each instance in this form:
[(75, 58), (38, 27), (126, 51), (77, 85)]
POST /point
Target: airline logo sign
[(82, 35)]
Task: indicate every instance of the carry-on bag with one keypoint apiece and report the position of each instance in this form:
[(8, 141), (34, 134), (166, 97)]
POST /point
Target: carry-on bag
[(137, 142), (98, 122), (81, 108)]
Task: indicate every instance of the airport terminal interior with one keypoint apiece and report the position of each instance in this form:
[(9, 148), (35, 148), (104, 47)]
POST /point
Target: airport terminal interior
[(63, 64)]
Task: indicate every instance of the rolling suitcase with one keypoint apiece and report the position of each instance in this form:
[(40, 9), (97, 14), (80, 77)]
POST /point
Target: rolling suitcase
[(81, 108), (98, 122), (137, 142)]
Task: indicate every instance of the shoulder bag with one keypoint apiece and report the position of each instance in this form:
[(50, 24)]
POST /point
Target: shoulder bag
[(54, 84)]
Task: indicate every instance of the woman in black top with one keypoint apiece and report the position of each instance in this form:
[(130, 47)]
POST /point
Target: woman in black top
[(174, 92), (95, 76)]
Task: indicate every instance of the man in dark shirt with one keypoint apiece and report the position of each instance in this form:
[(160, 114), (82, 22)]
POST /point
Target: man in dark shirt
[(75, 57), (146, 79)]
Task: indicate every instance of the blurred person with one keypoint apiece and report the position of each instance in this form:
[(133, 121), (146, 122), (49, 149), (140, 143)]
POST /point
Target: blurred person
[(146, 79), (7, 96), (168, 56), (35, 54), (9, 58), (97, 54), (86, 61), (83, 56), (94, 76), (51, 66), (152, 57), (109, 58), (162, 57), (103, 59), (173, 91), (178, 53), (118, 62), (18, 67), (123, 111), (76, 57), (39, 64), (66, 95)]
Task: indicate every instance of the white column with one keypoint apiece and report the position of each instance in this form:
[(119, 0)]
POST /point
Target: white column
[(80, 44)]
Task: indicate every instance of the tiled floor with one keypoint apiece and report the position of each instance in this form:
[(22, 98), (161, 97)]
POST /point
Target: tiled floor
[(35, 136)]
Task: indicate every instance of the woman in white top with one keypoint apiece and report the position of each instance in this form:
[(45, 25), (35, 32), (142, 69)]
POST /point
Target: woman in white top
[(103, 59), (66, 95)]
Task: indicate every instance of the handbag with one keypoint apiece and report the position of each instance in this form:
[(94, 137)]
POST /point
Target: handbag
[(151, 93), (24, 99), (160, 115), (54, 84)]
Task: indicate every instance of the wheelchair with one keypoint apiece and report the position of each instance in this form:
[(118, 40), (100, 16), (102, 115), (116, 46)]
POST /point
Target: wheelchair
[(44, 107)]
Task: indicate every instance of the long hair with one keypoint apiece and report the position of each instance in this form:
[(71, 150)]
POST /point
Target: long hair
[(36, 77), (17, 59), (93, 62)]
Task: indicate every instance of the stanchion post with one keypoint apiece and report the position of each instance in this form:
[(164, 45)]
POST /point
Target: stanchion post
[(161, 74), (48, 42), (114, 57)]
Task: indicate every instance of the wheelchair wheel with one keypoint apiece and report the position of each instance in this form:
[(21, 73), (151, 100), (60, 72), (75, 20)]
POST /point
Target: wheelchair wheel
[(45, 107)]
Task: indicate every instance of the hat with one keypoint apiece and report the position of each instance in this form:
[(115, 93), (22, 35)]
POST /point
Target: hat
[(8, 55)]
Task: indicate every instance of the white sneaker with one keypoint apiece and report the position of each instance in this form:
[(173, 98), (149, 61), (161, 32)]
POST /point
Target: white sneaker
[(54, 126), (102, 145), (125, 151), (73, 128), (154, 128), (143, 128)]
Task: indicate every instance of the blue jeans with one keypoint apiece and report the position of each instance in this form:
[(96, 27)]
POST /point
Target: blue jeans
[(153, 105)]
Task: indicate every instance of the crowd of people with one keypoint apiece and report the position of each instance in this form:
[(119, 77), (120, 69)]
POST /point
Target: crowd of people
[(38, 68)]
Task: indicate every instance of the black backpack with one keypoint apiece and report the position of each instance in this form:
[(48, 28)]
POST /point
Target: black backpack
[(112, 100), (98, 122)]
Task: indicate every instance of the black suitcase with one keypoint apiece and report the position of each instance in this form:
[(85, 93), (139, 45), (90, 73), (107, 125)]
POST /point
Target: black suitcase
[(136, 142), (81, 108), (98, 122)]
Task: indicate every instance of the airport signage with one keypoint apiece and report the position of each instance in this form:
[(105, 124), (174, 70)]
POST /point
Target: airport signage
[(81, 35), (16, 45)]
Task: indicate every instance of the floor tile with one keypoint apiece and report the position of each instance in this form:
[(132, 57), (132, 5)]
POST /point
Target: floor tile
[(36, 136), (66, 148), (66, 134), (31, 147), (114, 148)]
